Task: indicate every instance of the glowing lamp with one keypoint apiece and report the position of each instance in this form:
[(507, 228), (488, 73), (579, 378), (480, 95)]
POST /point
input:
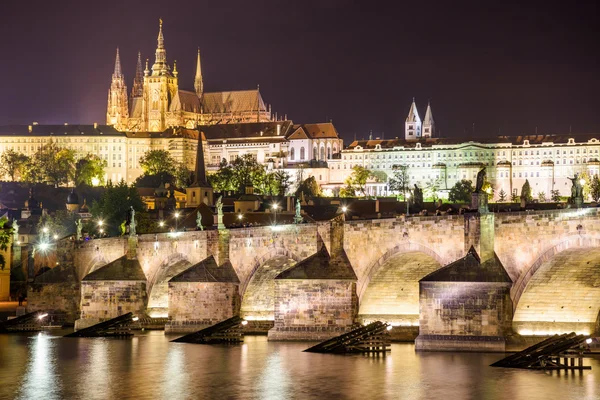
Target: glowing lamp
[(275, 206), (100, 223), (42, 316), (55, 236), (134, 319), (44, 246), (389, 328), (161, 223), (177, 215), (244, 322), (239, 216), (582, 181), (588, 340), (45, 229), (344, 208)]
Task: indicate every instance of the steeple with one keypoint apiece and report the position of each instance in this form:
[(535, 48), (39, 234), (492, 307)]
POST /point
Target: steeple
[(198, 83), (428, 123), (118, 73), (413, 123), (117, 110), (138, 82), (200, 191), (160, 66)]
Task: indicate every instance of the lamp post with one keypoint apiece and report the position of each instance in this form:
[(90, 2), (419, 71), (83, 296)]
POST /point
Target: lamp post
[(100, 225), (344, 209), (275, 206), (176, 220), (407, 197)]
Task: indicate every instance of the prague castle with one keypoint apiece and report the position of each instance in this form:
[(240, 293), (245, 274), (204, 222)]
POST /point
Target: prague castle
[(156, 102), (158, 115)]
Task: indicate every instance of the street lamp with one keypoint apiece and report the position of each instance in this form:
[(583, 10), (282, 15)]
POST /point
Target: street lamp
[(176, 219), (100, 222), (582, 181), (407, 198), (161, 223), (275, 206), (240, 216), (344, 209)]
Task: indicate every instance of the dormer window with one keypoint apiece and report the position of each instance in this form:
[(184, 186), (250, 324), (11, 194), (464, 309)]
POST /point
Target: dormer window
[(525, 142)]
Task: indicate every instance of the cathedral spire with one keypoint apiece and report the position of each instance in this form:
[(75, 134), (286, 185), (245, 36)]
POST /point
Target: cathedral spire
[(412, 127), (118, 73), (160, 63), (428, 123), (198, 83), (138, 82)]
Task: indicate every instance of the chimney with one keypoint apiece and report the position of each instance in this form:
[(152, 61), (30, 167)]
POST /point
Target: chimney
[(30, 128), (95, 125), (278, 129)]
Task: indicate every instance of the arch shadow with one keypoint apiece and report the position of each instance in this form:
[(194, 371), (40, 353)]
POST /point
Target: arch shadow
[(408, 247), (576, 241), (272, 253)]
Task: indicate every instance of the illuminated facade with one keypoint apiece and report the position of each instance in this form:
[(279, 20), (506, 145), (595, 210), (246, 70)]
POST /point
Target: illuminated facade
[(157, 103)]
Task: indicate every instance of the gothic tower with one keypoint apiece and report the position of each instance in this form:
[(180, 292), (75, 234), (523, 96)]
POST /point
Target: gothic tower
[(138, 82), (117, 111), (198, 83), (413, 123), (160, 86), (428, 123)]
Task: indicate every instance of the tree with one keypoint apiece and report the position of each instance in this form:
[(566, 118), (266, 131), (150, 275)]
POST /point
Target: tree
[(526, 192), (115, 203), (432, 188), (586, 191), (555, 196), (461, 192), (379, 176), (400, 180), (595, 188), (5, 236), (502, 196), (309, 187), (247, 171), (222, 180), (283, 180), (514, 197), (357, 181), (90, 170), (542, 197), (154, 162), (59, 224), (13, 164), (51, 163), (182, 175), (489, 189)]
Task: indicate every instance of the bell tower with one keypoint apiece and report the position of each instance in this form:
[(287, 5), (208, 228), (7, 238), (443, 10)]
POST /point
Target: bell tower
[(160, 86)]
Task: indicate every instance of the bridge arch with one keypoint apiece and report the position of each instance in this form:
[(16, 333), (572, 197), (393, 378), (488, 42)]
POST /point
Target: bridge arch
[(390, 290), (560, 291), (98, 261), (258, 292), (158, 282)]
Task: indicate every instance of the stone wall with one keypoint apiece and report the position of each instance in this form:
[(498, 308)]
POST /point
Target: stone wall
[(370, 243), (103, 300), (59, 299), (464, 316), (195, 305), (313, 309), (91, 255)]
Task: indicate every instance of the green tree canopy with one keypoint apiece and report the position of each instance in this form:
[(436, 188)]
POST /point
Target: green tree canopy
[(13, 164), (595, 188), (241, 172), (400, 179), (88, 169), (309, 187), (461, 192), (502, 196), (115, 203), (526, 192), (356, 184), (5, 236), (51, 163), (61, 223), (154, 162)]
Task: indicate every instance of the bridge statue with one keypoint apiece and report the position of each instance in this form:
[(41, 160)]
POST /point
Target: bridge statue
[(576, 190), (219, 205), (480, 181), (132, 223), (199, 221), (79, 226), (15, 226), (418, 197), (298, 218)]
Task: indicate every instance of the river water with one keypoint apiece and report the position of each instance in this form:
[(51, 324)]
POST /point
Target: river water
[(47, 366)]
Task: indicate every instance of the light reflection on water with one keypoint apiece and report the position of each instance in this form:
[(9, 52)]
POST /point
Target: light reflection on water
[(44, 366)]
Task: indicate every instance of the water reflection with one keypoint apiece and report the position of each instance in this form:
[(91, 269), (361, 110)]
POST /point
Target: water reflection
[(40, 381), (150, 367)]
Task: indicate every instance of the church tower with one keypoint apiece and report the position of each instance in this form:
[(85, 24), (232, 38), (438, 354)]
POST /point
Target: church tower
[(138, 82), (413, 123), (428, 123), (198, 83), (160, 86), (117, 111)]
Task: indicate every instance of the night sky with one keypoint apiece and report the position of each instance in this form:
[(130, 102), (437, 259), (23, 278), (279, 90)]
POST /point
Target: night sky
[(510, 66)]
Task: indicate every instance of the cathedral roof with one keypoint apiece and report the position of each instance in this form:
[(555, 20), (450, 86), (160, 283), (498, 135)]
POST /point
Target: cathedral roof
[(413, 113), (136, 107), (185, 101), (233, 102), (265, 130), (314, 131)]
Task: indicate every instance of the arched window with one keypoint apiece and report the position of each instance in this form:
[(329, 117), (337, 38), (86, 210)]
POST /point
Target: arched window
[(328, 152), (334, 149), (315, 153), (302, 153), (292, 154), (322, 153)]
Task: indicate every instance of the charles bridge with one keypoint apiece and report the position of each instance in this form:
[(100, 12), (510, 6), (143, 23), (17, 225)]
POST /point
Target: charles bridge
[(466, 281)]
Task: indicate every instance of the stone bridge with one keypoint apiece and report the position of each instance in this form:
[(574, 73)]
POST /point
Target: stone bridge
[(552, 258)]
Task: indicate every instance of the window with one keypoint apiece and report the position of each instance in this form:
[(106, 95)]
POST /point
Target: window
[(315, 153), (292, 154), (302, 153)]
